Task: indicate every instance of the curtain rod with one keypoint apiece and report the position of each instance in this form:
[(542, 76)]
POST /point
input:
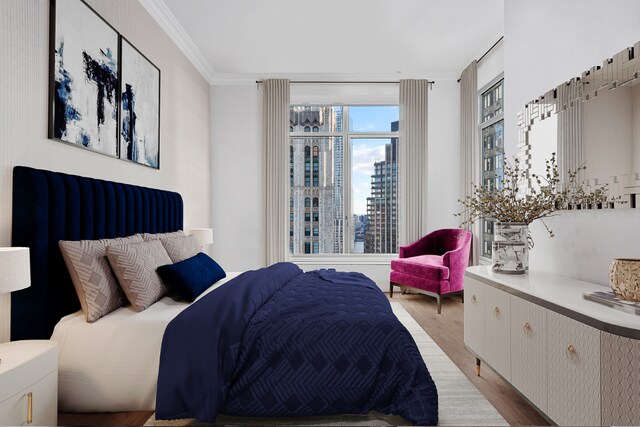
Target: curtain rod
[(431, 82), (490, 49), (487, 52)]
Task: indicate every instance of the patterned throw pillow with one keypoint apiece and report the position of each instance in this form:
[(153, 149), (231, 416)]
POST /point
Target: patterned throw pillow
[(135, 267), (150, 236), (180, 248), (95, 284)]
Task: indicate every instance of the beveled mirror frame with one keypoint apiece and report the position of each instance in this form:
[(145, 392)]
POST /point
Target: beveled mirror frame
[(620, 70)]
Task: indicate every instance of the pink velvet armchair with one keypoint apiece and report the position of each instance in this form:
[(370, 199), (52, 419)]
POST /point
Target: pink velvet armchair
[(433, 265)]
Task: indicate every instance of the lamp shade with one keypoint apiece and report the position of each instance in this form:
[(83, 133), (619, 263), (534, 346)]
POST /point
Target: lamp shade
[(15, 271), (204, 235)]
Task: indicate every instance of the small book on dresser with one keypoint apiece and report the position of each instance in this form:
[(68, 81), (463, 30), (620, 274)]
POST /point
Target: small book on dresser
[(611, 300)]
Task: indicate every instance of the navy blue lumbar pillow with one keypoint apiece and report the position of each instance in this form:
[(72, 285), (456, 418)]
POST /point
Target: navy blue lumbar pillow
[(191, 277)]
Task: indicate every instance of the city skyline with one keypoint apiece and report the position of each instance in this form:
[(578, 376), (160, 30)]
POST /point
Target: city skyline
[(317, 211)]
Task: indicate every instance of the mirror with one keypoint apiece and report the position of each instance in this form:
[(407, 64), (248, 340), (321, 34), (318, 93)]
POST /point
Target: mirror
[(591, 120)]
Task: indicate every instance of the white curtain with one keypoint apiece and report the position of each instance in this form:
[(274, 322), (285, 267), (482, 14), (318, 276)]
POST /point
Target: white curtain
[(469, 141), (412, 160), (276, 142)]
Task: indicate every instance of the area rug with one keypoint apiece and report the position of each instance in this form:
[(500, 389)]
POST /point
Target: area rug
[(460, 403)]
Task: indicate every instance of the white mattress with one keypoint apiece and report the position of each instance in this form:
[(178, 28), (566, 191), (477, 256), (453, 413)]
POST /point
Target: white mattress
[(112, 365)]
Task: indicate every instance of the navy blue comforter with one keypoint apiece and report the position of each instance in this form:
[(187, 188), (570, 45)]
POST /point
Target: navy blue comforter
[(278, 342)]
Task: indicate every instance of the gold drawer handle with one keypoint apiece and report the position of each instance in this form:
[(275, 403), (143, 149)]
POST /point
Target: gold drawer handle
[(29, 408), (526, 328), (570, 351), (473, 298)]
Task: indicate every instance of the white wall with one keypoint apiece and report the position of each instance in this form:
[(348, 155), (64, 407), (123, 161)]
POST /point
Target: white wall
[(491, 66), (546, 43), (184, 132), (237, 177), (238, 205)]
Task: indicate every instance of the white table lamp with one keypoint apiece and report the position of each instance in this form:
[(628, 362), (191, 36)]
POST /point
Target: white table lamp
[(204, 235), (15, 271)]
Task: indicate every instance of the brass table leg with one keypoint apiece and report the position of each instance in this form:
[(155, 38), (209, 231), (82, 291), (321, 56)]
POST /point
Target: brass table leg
[(478, 363)]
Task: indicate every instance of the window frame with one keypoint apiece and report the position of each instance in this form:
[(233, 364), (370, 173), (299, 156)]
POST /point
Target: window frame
[(346, 257), (479, 226)]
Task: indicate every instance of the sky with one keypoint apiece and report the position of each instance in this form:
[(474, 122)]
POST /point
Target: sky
[(366, 151)]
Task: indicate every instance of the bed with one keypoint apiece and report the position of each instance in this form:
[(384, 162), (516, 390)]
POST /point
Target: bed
[(112, 365), (50, 206)]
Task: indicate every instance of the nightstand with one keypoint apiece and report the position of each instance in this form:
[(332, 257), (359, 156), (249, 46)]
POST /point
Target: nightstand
[(29, 383)]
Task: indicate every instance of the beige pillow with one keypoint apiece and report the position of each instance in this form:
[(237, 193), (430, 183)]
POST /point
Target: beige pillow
[(95, 284), (135, 267), (180, 248), (148, 236)]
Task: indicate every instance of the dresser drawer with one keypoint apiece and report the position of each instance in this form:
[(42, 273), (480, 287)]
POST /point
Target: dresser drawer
[(573, 362), (24, 363), (474, 315), (497, 330), (29, 383), (44, 404), (529, 350)]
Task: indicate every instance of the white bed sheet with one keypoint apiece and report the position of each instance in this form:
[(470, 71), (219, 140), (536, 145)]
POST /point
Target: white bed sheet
[(112, 365)]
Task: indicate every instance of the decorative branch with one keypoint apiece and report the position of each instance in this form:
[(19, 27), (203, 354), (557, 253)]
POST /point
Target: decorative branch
[(509, 204)]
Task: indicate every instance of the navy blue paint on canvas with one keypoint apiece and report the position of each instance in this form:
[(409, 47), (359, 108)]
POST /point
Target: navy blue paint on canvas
[(129, 122), (64, 112), (278, 342), (103, 73)]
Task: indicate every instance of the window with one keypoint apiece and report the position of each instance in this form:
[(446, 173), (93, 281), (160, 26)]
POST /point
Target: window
[(349, 145), (492, 157)]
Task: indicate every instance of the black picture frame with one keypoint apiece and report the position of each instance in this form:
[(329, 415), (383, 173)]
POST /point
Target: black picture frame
[(134, 65), (70, 121)]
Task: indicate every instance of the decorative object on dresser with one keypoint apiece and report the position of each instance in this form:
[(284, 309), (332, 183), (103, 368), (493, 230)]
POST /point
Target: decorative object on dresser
[(514, 209), (433, 265), (204, 235), (510, 247), (611, 300), (140, 108), (576, 361), (29, 383), (83, 100), (624, 278)]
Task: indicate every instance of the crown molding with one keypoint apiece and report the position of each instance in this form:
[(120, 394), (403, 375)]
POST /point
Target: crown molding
[(161, 13)]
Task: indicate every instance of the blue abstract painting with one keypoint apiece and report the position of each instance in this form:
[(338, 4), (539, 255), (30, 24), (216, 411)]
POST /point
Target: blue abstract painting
[(140, 108), (84, 108)]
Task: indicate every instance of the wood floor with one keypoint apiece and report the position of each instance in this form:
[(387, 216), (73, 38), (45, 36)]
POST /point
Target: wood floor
[(445, 329)]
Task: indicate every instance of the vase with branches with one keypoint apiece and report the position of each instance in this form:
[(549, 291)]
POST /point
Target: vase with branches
[(515, 202)]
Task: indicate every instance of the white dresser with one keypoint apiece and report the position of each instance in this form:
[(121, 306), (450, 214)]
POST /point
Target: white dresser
[(577, 361), (29, 383)]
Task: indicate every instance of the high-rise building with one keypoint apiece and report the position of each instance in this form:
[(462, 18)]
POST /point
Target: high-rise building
[(382, 220), (316, 208)]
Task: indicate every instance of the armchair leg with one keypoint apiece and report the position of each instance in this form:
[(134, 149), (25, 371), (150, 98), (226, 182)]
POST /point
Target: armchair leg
[(439, 304), (391, 290)]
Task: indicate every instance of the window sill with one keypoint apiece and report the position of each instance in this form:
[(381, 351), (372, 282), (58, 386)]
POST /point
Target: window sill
[(343, 259)]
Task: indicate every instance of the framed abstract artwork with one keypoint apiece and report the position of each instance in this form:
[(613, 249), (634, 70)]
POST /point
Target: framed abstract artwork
[(84, 68), (140, 107)]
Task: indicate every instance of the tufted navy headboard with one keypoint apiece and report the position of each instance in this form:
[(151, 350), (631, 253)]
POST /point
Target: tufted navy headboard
[(52, 206)]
